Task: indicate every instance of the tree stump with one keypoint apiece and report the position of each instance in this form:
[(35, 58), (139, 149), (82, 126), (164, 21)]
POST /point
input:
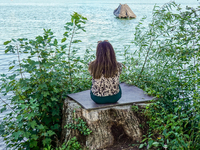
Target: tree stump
[(108, 123)]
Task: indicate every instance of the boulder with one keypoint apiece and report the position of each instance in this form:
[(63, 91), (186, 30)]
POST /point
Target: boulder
[(124, 11)]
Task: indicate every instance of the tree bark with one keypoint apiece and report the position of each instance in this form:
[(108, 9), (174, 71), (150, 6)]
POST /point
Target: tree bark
[(107, 124)]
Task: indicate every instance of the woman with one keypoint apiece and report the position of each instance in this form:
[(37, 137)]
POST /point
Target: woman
[(105, 71)]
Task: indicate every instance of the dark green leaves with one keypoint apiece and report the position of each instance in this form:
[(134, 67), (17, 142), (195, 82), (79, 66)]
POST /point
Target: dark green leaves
[(165, 65), (55, 43), (80, 125), (76, 41), (39, 39), (40, 82), (3, 109), (10, 48)]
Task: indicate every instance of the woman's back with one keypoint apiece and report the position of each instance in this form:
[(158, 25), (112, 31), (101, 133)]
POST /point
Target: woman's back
[(107, 86), (105, 71)]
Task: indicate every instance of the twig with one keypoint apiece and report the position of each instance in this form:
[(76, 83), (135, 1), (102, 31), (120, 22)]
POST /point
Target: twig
[(8, 105), (11, 109), (69, 53), (124, 66), (145, 59), (19, 62), (39, 61), (120, 136)]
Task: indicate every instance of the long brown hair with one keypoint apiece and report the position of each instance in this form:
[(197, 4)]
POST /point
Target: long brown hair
[(105, 62)]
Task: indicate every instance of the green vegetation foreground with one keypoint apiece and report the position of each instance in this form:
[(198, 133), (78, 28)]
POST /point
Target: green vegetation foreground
[(166, 64)]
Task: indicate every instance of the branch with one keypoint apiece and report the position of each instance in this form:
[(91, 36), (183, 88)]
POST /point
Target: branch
[(8, 105), (73, 32), (19, 62), (145, 59)]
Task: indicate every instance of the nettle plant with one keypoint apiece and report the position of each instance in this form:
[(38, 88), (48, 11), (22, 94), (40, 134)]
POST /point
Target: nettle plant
[(166, 64), (39, 83)]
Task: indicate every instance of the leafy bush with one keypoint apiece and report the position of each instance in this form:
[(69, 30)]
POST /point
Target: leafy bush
[(43, 74), (166, 64)]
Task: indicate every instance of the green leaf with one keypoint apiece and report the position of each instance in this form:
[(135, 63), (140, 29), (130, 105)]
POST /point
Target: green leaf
[(54, 99), (156, 144), (76, 41), (67, 28), (55, 43), (17, 134), (64, 39), (40, 127), (3, 109), (33, 124), (26, 134), (3, 75), (66, 34), (11, 67), (141, 146), (10, 48), (165, 146), (33, 136), (50, 132), (39, 39), (63, 46), (69, 23), (46, 141), (56, 126), (33, 143), (45, 94), (6, 43)]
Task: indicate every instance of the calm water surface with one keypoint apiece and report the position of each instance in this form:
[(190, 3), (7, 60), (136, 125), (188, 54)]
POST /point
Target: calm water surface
[(27, 18)]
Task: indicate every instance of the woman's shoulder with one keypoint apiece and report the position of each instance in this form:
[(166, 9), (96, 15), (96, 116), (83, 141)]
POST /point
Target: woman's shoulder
[(119, 64), (90, 62)]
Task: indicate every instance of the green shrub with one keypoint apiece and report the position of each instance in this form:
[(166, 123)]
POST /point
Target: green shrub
[(43, 74), (166, 64)]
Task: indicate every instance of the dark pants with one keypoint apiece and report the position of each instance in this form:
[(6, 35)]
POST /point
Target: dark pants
[(106, 99)]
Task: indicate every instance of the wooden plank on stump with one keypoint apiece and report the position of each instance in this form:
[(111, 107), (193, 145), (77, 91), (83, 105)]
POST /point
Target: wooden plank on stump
[(130, 94)]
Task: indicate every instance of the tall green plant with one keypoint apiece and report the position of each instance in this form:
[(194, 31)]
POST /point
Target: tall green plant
[(166, 64), (43, 74)]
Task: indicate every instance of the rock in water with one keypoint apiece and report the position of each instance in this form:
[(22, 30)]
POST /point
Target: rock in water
[(124, 11)]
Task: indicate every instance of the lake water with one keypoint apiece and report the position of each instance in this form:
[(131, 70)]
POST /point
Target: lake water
[(27, 18)]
